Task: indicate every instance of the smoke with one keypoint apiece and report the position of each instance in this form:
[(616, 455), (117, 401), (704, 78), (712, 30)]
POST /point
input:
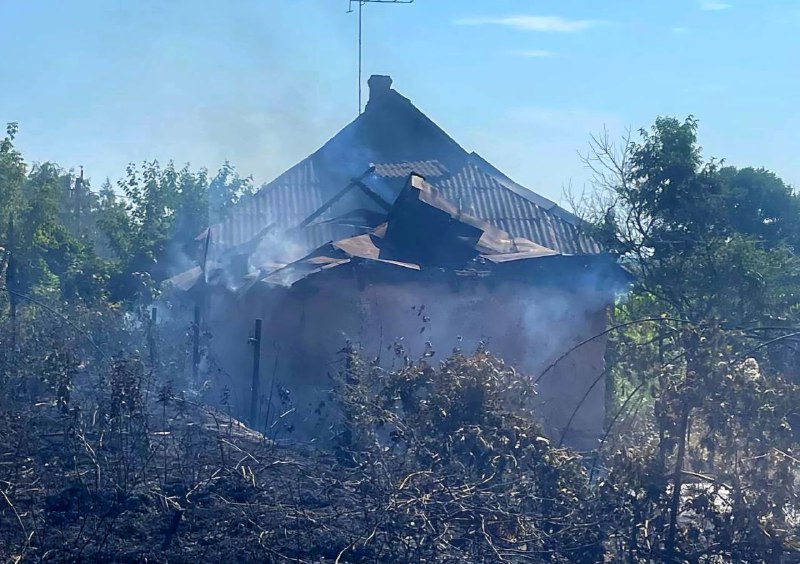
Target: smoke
[(279, 105), (551, 324), (555, 321)]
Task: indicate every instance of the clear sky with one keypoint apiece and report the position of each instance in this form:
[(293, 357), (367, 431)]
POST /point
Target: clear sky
[(524, 82)]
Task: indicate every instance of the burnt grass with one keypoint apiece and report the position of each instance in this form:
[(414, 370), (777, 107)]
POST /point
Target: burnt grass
[(130, 476), (206, 489)]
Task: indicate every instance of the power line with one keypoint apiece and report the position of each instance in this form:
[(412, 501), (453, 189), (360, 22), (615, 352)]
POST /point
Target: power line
[(360, 33)]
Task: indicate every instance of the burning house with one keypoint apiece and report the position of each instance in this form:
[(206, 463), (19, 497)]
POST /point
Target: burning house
[(393, 238)]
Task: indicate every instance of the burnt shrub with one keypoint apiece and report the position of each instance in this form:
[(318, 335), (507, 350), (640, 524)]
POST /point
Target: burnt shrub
[(454, 462)]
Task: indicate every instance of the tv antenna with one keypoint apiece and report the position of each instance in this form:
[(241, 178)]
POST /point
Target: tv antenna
[(360, 36)]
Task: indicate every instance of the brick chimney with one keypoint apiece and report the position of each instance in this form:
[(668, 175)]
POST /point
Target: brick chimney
[(379, 86)]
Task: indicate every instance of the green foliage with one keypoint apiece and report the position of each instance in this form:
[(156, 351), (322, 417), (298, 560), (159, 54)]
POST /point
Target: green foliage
[(225, 191), (704, 241), (62, 239), (739, 481), (12, 176), (760, 205), (153, 235), (45, 257)]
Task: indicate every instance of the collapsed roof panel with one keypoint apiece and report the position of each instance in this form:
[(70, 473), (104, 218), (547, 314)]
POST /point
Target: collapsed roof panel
[(423, 230)]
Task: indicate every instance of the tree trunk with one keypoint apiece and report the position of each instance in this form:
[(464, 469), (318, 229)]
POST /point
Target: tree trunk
[(677, 481)]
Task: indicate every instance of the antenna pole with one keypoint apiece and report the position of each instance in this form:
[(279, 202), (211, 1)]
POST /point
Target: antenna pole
[(360, 43), (360, 33)]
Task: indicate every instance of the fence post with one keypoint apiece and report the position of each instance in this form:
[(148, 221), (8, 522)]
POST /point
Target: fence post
[(11, 285), (196, 344), (256, 340), (151, 337)]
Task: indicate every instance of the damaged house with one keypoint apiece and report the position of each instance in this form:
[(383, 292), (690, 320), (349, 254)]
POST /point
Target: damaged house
[(392, 238)]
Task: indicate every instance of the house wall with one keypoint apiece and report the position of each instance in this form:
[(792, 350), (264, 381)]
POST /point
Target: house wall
[(306, 327)]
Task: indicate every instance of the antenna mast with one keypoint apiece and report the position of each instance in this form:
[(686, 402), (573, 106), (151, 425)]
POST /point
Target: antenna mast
[(360, 36)]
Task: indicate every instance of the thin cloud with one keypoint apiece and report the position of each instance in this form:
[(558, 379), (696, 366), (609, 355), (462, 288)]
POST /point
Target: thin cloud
[(531, 53), (712, 6), (680, 30), (553, 24)]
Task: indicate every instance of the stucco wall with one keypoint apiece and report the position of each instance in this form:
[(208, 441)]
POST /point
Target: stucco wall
[(305, 327)]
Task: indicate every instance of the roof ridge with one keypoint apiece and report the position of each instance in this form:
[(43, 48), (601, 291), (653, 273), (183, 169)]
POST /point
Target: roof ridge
[(395, 94)]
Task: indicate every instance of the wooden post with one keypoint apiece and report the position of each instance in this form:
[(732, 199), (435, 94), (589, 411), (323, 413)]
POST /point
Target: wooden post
[(11, 277), (11, 287), (256, 340), (151, 337), (196, 343)]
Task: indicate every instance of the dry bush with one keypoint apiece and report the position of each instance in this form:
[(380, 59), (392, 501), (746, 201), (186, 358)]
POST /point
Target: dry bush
[(457, 469)]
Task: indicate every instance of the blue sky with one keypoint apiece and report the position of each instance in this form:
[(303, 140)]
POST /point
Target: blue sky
[(524, 82)]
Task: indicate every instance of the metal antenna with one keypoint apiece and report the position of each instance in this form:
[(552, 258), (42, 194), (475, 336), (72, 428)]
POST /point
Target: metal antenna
[(360, 42)]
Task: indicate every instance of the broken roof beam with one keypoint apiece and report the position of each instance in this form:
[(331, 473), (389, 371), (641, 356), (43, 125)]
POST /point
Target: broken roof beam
[(327, 205)]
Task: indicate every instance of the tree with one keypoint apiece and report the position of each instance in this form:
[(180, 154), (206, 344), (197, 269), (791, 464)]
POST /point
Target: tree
[(153, 233), (762, 206), (703, 241), (712, 249), (225, 191), (12, 177), (49, 258), (12, 174)]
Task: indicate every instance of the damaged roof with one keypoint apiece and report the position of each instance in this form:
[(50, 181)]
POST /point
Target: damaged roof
[(393, 139), (423, 230)]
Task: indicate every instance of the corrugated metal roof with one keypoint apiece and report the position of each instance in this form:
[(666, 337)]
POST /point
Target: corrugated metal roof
[(526, 193), (423, 231), (299, 192), (480, 194), (286, 201)]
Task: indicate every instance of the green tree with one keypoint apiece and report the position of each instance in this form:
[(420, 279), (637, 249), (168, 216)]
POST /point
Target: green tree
[(119, 244), (12, 177), (49, 258), (762, 206), (704, 241), (154, 233), (226, 189)]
